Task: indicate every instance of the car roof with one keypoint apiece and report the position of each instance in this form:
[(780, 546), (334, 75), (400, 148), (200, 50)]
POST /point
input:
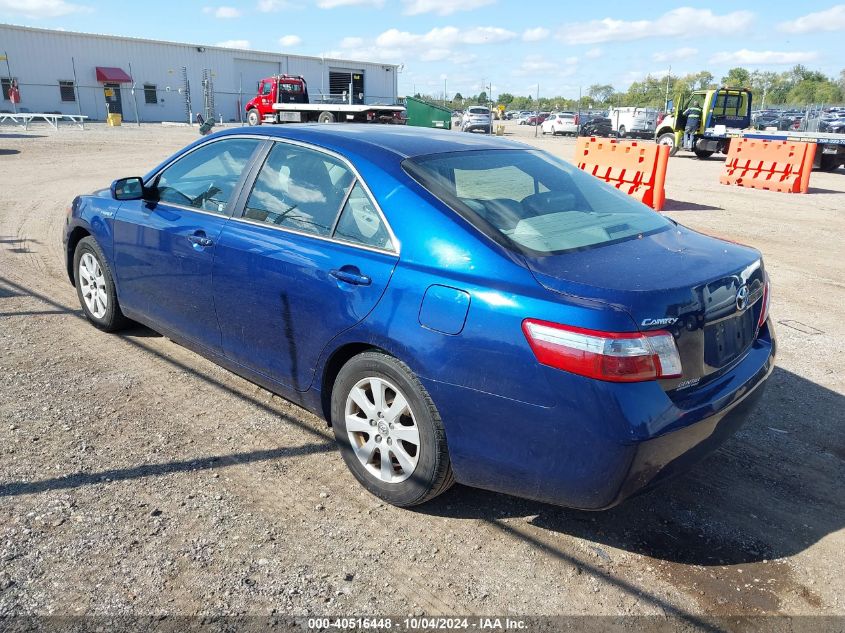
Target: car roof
[(401, 140)]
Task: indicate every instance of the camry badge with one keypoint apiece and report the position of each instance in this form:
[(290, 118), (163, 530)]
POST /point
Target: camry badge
[(742, 298), (666, 321)]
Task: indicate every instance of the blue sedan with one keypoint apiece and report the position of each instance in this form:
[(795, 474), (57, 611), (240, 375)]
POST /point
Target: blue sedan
[(458, 308)]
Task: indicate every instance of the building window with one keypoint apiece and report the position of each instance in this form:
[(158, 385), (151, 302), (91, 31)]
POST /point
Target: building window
[(66, 91), (7, 84), (150, 95)]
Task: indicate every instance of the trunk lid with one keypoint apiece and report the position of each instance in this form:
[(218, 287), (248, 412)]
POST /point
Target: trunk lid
[(706, 291)]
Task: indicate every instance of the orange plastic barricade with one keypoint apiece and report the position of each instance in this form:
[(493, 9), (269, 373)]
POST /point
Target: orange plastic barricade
[(638, 169), (774, 165)]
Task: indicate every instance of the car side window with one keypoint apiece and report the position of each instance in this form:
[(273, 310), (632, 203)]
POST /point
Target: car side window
[(299, 189), (206, 177), (361, 223)]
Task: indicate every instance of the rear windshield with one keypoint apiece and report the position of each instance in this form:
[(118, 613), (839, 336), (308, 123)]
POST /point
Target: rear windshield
[(532, 201), (479, 111)]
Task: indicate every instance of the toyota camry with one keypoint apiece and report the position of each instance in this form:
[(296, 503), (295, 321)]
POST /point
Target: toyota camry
[(457, 307)]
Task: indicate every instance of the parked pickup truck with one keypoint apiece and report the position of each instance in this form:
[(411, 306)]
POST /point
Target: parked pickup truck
[(284, 99)]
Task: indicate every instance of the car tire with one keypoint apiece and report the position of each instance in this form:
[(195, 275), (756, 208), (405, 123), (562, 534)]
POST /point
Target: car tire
[(621, 133), (829, 163), (95, 287), (326, 117), (668, 138), (703, 154), (253, 118), (403, 479)]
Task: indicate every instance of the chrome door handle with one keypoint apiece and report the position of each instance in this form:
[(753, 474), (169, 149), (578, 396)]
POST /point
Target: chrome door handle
[(200, 240), (350, 277)]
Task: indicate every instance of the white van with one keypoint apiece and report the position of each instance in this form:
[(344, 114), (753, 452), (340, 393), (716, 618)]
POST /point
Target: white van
[(633, 121)]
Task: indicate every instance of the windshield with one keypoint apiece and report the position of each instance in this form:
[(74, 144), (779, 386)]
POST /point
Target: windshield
[(532, 201)]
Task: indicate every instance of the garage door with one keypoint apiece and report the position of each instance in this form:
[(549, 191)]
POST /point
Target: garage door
[(249, 72)]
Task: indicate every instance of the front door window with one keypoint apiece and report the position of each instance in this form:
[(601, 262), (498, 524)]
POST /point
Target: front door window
[(206, 178)]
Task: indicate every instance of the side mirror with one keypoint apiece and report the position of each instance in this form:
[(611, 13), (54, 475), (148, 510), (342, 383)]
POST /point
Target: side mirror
[(670, 105), (127, 188)]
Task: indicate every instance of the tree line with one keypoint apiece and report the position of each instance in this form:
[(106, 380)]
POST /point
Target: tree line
[(797, 86)]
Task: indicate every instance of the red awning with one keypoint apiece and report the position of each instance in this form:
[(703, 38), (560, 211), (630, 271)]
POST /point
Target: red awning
[(112, 75)]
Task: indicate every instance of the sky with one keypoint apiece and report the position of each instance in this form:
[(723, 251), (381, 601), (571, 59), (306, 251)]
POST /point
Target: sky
[(470, 45)]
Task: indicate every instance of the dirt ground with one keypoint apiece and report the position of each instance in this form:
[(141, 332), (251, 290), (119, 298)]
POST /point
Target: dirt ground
[(138, 478)]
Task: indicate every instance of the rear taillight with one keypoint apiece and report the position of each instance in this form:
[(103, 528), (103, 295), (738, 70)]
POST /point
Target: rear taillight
[(613, 356), (764, 311), (577, 119)]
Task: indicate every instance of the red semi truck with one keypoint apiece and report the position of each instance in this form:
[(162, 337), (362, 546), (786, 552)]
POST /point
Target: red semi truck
[(284, 99)]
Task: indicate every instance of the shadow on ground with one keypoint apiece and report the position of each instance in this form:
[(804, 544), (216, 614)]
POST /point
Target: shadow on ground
[(770, 492), (683, 205), (17, 135)]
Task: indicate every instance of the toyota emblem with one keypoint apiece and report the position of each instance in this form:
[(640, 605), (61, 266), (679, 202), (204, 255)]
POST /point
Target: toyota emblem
[(742, 298)]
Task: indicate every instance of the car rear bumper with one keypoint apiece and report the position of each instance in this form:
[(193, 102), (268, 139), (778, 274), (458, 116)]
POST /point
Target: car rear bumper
[(603, 442), (472, 127)]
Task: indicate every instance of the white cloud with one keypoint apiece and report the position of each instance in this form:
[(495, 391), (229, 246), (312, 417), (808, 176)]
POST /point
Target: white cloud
[(547, 66), (352, 42), (442, 7), (332, 4), (832, 19), (593, 53), (442, 37), (746, 57), (536, 34), (438, 44), (684, 21), (271, 6), (224, 13), (36, 9), (234, 44), (289, 41), (366, 53), (684, 52)]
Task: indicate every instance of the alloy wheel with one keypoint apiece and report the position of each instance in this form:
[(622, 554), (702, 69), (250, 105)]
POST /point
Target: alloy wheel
[(382, 430), (93, 285)]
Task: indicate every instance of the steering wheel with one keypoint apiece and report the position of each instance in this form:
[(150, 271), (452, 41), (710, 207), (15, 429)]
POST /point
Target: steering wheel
[(206, 196)]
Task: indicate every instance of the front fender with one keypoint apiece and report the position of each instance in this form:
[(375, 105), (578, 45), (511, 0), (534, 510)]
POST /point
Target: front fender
[(92, 215)]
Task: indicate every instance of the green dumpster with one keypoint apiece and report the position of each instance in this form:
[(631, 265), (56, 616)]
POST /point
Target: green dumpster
[(424, 114)]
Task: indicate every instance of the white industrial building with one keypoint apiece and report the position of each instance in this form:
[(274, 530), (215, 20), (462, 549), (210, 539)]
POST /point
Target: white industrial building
[(90, 74)]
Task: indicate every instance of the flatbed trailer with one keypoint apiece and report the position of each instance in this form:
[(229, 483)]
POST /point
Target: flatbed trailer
[(830, 147), (284, 99), (332, 112)]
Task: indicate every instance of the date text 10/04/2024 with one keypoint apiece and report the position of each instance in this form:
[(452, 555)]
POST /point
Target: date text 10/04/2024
[(418, 623)]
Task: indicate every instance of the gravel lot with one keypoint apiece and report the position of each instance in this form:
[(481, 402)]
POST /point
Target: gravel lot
[(137, 478)]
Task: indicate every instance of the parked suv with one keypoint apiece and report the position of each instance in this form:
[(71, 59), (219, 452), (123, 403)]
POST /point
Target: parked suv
[(477, 118)]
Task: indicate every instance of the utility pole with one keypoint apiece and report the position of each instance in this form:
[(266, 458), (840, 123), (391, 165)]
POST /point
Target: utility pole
[(490, 103), (666, 100), (444, 92), (76, 86), (132, 92), (579, 104), (11, 82)]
